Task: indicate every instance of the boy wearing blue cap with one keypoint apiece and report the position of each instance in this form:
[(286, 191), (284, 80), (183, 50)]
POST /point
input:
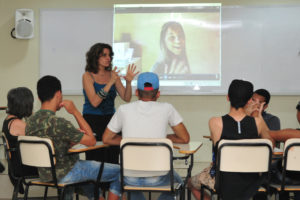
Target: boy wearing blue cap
[(146, 118)]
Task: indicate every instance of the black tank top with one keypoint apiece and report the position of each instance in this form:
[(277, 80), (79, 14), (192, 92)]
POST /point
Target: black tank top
[(238, 186), (16, 166), (12, 140), (234, 130)]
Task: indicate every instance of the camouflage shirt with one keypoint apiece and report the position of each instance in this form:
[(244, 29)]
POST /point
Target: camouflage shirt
[(45, 124)]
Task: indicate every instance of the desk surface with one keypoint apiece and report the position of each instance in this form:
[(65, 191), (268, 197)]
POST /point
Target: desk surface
[(82, 148), (189, 148), (3, 107)]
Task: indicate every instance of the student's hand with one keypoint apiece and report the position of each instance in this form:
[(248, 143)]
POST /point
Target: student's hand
[(251, 108), (69, 106), (130, 73)]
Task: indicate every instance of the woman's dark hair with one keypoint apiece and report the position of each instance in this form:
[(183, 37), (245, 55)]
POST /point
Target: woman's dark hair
[(93, 55), (167, 56), (239, 93), (20, 102)]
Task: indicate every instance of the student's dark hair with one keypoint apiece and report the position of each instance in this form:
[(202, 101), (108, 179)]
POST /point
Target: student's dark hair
[(20, 102), (93, 55), (239, 93), (151, 94), (298, 106), (47, 86), (265, 93)]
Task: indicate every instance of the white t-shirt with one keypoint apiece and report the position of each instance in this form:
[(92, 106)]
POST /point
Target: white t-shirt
[(144, 119)]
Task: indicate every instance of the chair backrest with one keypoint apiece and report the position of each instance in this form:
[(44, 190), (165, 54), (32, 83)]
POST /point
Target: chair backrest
[(246, 155), (36, 151), (292, 154), (142, 157)]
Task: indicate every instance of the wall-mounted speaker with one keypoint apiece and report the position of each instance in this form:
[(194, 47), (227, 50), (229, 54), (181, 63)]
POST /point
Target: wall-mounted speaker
[(24, 24)]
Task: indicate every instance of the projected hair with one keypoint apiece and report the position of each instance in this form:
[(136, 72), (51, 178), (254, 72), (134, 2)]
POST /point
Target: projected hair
[(20, 102), (93, 55), (239, 93), (167, 55)]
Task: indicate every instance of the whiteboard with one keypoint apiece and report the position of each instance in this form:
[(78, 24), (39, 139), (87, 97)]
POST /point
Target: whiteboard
[(259, 43), (65, 37)]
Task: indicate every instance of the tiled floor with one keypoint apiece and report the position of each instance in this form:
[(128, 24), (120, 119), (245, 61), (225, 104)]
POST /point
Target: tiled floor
[(6, 187)]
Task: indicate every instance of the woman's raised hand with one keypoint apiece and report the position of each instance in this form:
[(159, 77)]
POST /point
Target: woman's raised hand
[(114, 75), (131, 72)]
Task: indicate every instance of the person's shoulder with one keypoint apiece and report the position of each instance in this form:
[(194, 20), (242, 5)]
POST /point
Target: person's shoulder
[(215, 121), (267, 116), (128, 105)]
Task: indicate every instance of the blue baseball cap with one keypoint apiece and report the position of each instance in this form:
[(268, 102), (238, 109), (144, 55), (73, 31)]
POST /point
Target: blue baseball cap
[(148, 77)]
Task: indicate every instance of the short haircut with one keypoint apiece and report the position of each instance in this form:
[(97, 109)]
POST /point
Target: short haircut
[(239, 93), (93, 55), (20, 102), (150, 94), (47, 86), (265, 93)]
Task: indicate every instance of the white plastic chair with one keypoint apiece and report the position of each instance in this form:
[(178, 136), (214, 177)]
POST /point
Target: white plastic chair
[(147, 158), (39, 152), (242, 156)]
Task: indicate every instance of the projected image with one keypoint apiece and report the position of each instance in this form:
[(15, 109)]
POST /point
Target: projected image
[(172, 59), (181, 43)]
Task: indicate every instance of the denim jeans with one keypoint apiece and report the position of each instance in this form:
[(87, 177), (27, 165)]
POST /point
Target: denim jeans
[(151, 181), (85, 170)]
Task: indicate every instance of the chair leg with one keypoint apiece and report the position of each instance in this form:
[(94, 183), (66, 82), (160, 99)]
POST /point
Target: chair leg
[(60, 193), (26, 192), (128, 196), (45, 192), (149, 195), (16, 189)]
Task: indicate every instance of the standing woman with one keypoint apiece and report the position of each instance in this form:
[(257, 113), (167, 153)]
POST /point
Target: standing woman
[(101, 84)]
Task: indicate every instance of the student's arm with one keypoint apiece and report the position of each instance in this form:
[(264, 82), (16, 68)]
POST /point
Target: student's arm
[(263, 130), (88, 137), (215, 126), (181, 135), (111, 138), (284, 134)]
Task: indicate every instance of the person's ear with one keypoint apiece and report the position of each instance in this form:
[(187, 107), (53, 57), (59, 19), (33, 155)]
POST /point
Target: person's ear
[(137, 92), (265, 106), (227, 97), (157, 94)]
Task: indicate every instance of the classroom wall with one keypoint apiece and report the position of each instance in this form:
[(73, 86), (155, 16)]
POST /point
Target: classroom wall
[(19, 66)]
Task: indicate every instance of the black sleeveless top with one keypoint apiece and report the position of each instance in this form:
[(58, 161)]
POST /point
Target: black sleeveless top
[(15, 161), (238, 186)]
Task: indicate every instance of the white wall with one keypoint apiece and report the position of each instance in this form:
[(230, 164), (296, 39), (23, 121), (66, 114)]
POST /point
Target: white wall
[(19, 66)]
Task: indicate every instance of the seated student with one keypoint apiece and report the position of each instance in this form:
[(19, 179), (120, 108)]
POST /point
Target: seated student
[(235, 125), (263, 96), (291, 177), (19, 105), (69, 169), (147, 118), (284, 134)]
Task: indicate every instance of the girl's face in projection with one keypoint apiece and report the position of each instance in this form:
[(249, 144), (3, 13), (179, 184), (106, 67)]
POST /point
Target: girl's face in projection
[(174, 41)]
